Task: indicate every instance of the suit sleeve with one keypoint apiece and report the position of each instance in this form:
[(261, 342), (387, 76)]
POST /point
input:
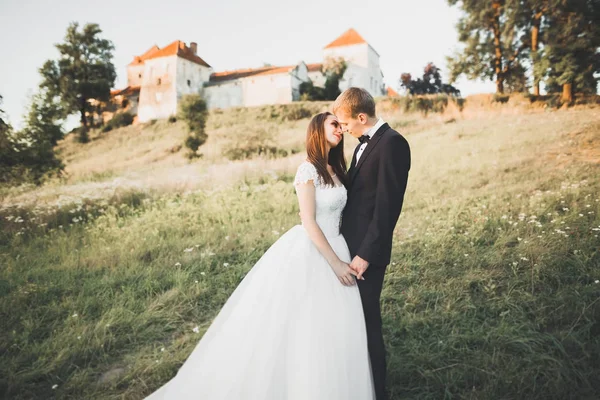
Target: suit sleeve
[(394, 164)]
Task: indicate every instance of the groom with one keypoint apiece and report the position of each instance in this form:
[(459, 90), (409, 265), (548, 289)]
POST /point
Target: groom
[(376, 184)]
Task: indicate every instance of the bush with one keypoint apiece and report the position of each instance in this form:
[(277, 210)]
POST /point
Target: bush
[(259, 143), (500, 98), (83, 134), (194, 112), (117, 121), (424, 104), (121, 119), (172, 119), (26, 157)]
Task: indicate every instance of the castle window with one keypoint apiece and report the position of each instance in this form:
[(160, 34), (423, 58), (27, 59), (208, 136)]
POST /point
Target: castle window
[(189, 82), (159, 81)]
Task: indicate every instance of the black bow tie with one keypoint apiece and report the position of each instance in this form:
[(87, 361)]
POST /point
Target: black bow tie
[(364, 139)]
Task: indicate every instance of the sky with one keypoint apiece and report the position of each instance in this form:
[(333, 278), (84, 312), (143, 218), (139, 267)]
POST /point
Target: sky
[(407, 34)]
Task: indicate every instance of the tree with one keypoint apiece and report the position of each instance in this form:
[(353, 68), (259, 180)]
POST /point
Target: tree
[(84, 71), (193, 111), (29, 154), (495, 41), (3, 125), (536, 9), (570, 56), (430, 83), (44, 118), (333, 69)]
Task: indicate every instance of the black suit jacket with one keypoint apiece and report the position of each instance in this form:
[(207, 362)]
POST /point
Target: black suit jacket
[(376, 187)]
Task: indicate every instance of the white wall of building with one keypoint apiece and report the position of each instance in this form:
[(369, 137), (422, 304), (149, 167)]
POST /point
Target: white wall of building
[(355, 54), (267, 89), (224, 95), (158, 95), (318, 78), (376, 85), (363, 69), (191, 77), (298, 75), (135, 74)]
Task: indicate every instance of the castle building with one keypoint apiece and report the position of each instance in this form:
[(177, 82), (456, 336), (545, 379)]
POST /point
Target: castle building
[(158, 78)]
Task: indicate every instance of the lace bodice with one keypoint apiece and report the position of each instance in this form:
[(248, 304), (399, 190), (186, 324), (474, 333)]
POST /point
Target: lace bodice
[(330, 200)]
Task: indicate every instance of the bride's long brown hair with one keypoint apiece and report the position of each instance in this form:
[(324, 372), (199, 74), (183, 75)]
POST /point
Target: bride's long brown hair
[(316, 148)]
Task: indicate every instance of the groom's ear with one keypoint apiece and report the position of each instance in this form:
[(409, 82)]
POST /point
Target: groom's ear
[(362, 118)]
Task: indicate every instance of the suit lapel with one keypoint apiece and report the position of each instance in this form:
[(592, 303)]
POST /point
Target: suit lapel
[(372, 143), (353, 162)]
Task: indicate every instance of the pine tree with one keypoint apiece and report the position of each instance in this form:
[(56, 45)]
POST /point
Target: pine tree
[(571, 39), (83, 71)]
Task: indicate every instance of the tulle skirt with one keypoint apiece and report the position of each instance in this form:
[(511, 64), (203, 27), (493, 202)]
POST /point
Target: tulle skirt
[(290, 330)]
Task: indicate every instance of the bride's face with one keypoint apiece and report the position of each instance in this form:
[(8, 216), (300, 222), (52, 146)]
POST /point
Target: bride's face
[(333, 131)]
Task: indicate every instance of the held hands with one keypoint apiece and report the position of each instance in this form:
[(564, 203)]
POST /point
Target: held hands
[(359, 266), (344, 273)]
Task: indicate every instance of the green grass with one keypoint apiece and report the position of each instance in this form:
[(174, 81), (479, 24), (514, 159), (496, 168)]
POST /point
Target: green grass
[(491, 293)]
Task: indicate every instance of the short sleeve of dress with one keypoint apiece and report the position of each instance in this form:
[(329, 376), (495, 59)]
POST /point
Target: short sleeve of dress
[(306, 172)]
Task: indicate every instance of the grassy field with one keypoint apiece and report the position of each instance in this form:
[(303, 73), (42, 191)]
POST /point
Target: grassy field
[(109, 277)]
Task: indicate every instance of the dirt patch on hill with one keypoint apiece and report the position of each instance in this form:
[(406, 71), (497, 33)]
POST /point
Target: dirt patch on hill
[(582, 145)]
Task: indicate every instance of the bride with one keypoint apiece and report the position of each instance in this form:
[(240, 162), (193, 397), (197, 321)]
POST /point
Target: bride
[(294, 327)]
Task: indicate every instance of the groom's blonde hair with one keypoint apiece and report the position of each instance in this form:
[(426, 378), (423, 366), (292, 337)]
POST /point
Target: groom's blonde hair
[(354, 101)]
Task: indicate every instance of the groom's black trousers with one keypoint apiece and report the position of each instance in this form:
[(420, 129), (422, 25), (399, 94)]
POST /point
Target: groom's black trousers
[(370, 293)]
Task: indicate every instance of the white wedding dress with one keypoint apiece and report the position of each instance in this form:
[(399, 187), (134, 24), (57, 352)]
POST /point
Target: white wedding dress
[(290, 330)]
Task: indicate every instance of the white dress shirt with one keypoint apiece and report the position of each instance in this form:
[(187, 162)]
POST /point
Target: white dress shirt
[(369, 133)]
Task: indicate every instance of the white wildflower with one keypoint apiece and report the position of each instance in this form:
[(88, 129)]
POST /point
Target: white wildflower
[(226, 264), (178, 264), (196, 330), (54, 386)]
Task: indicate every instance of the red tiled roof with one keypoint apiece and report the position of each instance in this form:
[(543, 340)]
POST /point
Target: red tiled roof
[(347, 38), (314, 67), (391, 92), (177, 48), (143, 57), (127, 90), (242, 73)]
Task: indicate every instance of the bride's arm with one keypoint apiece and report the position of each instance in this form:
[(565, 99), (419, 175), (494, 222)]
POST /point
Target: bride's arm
[(306, 200)]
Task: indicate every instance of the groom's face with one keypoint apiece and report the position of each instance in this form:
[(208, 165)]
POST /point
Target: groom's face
[(353, 126)]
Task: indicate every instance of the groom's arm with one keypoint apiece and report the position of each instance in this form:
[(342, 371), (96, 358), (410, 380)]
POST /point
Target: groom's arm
[(394, 164)]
